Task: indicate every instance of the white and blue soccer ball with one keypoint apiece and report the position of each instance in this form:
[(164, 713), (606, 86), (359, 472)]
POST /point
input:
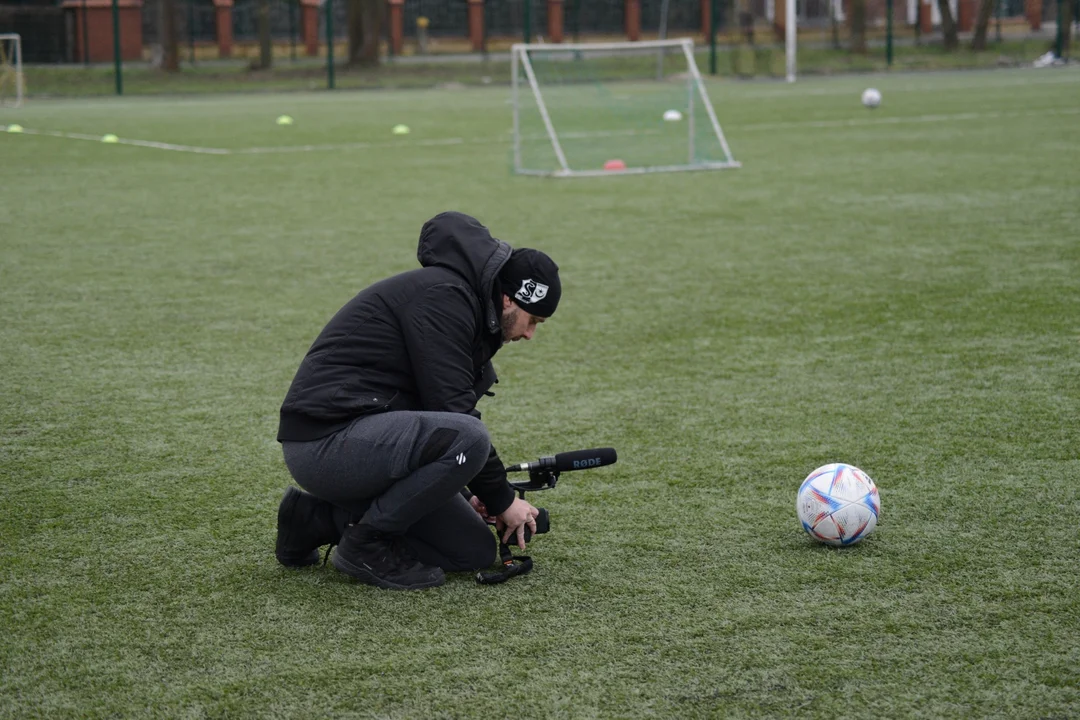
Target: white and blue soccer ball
[(871, 98), (838, 504)]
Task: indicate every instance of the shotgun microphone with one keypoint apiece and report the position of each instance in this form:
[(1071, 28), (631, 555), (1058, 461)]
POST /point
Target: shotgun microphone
[(543, 474), (568, 461)]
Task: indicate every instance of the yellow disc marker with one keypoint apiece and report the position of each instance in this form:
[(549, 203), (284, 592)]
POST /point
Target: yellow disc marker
[(109, 138)]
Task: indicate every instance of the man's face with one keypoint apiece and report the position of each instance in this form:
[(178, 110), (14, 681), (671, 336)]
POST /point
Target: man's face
[(516, 323)]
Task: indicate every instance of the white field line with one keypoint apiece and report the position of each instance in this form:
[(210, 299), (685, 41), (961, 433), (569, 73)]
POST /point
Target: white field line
[(319, 148), (347, 146), (897, 120), (913, 81), (338, 147), (126, 141)]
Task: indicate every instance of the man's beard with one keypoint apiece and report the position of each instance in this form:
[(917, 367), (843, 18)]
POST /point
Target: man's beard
[(508, 320)]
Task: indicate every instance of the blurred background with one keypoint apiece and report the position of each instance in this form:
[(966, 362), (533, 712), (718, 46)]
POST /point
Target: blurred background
[(745, 37)]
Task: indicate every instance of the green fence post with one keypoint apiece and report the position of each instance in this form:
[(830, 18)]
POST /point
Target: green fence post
[(191, 31), (330, 44), (713, 21), (389, 38), (85, 35), (527, 22), (486, 9), (292, 29), (888, 32), (1059, 42), (117, 66)]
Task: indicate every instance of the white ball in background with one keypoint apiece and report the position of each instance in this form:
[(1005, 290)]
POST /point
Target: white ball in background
[(672, 116), (871, 97)]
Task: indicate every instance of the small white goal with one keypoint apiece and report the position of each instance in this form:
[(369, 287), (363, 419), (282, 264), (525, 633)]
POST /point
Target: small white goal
[(613, 108), (11, 70)]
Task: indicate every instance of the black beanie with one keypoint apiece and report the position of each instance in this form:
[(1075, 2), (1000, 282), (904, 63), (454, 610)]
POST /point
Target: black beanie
[(531, 279)]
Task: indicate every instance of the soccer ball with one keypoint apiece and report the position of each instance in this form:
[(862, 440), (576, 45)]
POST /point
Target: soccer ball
[(838, 504), (871, 98)]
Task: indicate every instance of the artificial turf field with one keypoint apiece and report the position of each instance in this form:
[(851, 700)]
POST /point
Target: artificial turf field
[(897, 289)]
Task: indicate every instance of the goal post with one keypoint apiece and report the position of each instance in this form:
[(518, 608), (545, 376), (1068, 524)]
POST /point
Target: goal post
[(586, 109), (790, 39), (11, 70)]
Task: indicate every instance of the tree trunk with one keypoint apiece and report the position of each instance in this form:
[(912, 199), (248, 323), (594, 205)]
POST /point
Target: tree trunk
[(374, 18), (948, 25), (746, 22), (168, 35), (354, 21), (266, 47), (982, 22), (365, 20), (857, 18)]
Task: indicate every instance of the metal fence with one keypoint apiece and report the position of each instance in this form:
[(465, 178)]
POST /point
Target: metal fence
[(197, 20), (44, 29), (446, 18), (50, 29)]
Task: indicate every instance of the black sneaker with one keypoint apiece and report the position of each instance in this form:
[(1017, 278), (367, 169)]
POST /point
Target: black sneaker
[(383, 560), (304, 523)]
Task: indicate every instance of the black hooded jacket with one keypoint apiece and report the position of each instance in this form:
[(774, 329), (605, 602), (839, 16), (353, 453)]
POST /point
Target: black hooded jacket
[(421, 340)]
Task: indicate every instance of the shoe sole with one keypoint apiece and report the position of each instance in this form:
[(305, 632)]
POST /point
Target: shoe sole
[(365, 575), (292, 496)]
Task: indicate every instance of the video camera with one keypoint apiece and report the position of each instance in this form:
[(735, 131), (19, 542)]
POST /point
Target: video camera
[(543, 475)]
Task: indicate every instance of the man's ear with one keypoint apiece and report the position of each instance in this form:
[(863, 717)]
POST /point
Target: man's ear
[(507, 302)]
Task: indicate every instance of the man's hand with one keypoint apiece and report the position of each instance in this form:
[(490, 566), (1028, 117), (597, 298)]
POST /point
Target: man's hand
[(515, 519), (481, 509)]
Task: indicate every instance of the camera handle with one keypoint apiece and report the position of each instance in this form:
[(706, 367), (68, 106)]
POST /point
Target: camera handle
[(512, 566), (539, 479)]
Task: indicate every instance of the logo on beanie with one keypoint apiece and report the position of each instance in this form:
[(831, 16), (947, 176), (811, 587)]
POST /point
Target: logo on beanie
[(531, 291)]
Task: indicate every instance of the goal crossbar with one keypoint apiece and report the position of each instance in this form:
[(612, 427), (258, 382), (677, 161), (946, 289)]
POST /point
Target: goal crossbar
[(582, 47), (521, 61)]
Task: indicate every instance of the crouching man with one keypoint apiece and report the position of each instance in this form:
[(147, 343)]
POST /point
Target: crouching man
[(380, 425)]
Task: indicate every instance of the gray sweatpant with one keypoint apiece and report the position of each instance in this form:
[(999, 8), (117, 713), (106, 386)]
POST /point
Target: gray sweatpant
[(402, 473)]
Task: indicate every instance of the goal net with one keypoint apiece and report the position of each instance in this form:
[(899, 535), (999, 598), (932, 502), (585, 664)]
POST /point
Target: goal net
[(607, 108), (11, 70)]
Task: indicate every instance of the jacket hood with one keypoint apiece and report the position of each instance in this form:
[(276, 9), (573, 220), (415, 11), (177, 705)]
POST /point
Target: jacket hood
[(458, 242)]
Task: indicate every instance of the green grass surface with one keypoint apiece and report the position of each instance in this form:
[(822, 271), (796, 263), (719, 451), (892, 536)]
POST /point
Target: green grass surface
[(897, 289)]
